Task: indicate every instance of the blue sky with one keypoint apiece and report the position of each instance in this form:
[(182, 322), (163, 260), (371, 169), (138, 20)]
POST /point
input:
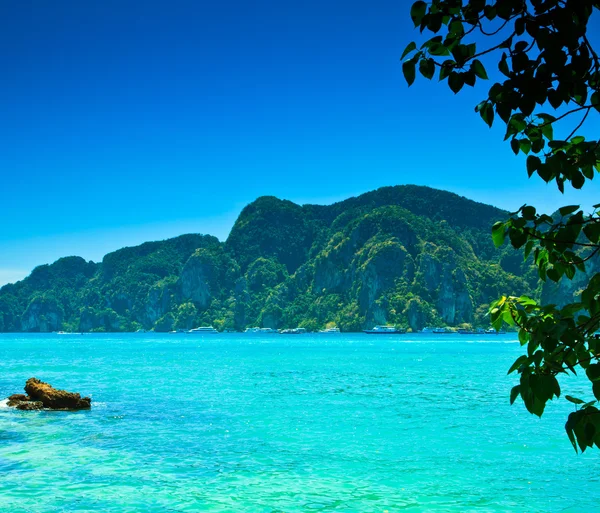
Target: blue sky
[(126, 121)]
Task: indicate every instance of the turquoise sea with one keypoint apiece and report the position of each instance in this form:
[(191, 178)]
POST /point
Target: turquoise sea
[(275, 423)]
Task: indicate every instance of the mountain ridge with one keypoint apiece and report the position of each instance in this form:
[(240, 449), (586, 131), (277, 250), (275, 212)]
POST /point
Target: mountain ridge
[(404, 254)]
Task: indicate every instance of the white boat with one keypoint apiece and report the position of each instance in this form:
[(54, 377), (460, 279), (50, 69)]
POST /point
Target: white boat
[(260, 331), (202, 330), (427, 330), (293, 331), (384, 330), (441, 330), (330, 330), (491, 331)]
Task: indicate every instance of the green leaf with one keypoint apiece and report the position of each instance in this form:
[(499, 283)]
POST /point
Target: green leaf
[(514, 393), (577, 139), (410, 48), (521, 360), (525, 145), (596, 101), (487, 114), (533, 164), (446, 69), (498, 233), (565, 211), (528, 212), (592, 232), (417, 12), (408, 68), (596, 389), (548, 131), (570, 426), (478, 69), (515, 145), (456, 82), (456, 27), (593, 372), (503, 66), (573, 400), (577, 179), (427, 68), (438, 50)]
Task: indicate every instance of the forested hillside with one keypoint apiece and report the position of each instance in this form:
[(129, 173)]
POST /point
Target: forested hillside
[(407, 255)]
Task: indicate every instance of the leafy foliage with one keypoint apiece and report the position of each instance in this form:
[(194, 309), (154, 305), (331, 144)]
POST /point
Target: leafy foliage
[(550, 75)]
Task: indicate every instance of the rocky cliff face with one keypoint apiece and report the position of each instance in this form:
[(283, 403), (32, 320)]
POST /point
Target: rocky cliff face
[(43, 315), (206, 273)]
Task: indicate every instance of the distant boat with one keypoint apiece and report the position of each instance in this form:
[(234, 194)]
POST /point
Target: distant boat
[(293, 331), (262, 331), (179, 331), (439, 331), (202, 330), (427, 330), (385, 330), (491, 331), (330, 330), (465, 331)]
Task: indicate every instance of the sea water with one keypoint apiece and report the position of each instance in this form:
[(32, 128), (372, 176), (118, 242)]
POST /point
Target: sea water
[(276, 423)]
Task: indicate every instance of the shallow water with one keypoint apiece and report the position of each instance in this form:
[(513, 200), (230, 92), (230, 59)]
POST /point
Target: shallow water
[(275, 423)]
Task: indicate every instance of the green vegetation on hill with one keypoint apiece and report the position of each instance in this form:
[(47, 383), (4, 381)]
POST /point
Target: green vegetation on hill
[(406, 255)]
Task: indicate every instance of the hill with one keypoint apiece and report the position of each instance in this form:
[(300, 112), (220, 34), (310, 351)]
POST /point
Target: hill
[(406, 255)]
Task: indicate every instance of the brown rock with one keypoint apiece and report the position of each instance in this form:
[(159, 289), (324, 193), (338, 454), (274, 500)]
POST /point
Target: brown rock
[(29, 405), (55, 399), (18, 397)]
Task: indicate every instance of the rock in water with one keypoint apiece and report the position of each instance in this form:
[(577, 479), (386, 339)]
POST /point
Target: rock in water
[(17, 398), (41, 395), (30, 405), (23, 402), (55, 399)]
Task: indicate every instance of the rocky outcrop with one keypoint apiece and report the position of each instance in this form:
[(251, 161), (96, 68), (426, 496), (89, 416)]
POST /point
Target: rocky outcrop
[(42, 314), (156, 305), (41, 395), (416, 314), (205, 274), (447, 283), (104, 320)]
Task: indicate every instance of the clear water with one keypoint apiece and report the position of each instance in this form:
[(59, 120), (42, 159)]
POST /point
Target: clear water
[(273, 423)]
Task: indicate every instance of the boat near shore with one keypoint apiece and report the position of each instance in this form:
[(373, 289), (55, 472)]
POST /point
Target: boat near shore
[(385, 330), (203, 330), (330, 330), (437, 331), (293, 331), (261, 331)]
